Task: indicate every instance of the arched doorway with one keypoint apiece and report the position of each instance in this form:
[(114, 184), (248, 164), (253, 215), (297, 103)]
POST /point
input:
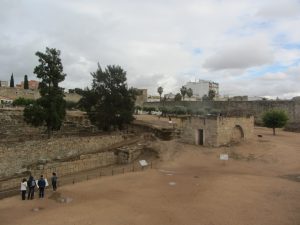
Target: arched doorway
[(237, 134)]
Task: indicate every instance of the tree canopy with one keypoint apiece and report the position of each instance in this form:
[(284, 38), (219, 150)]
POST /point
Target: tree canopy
[(275, 119), (178, 97), (183, 91), (211, 94), (160, 90), (109, 103), (189, 92), (50, 108)]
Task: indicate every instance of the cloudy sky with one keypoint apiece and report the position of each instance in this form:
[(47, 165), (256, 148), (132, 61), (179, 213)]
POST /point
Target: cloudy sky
[(250, 47)]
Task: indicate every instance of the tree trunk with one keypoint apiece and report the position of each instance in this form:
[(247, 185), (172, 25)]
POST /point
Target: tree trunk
[(274, 131)]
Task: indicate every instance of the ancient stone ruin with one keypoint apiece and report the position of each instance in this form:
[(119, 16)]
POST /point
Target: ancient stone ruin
[(216, 131)]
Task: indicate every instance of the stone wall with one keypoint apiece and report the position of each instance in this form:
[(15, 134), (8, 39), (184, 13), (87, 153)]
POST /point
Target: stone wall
[(255, 108), (84, 162), (227, 125), (21, 157), (15, 93), (14, 128), (217, 130), (63, 168), (190, 126)]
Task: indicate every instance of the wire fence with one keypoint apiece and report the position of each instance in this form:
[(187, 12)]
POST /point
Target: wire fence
[(89, 175)]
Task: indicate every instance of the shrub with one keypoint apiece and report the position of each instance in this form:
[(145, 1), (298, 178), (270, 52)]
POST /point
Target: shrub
[(23, 102)]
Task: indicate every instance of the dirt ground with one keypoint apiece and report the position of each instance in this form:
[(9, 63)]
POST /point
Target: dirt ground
[(259, 185)]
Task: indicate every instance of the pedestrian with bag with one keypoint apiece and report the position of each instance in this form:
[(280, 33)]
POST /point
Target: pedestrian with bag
[(31, 187), (23, 188)]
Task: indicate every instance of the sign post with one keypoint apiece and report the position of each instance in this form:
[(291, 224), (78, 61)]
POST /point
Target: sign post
[(143, 163), (224, 158)]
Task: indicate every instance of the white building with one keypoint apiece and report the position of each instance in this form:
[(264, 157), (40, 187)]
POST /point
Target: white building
[(202, 87), (5, 100), (3, 83)]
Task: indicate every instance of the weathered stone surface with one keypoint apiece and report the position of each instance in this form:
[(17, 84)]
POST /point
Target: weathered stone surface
[(25, 154), (255, 108), (217, 130)]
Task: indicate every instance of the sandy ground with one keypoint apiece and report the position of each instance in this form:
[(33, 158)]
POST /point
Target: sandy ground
[(190, 186)]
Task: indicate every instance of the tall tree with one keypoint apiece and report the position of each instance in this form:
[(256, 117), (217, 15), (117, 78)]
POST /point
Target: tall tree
[(275, 119), (160, 90), (109, 103), (211, 94), (189, 92), (50, 108), (12, 82), (178, 97), (183, 91), (205, 98), (26, 85)]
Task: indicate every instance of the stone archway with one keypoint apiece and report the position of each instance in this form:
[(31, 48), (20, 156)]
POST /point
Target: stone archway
[(237, 134)]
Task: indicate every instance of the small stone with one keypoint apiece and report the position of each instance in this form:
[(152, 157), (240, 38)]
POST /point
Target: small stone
[(42, 161), (172, 183)]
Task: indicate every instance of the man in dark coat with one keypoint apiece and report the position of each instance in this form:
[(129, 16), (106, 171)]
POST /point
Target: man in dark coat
[(42, 185), (54, 181), (31, 187)]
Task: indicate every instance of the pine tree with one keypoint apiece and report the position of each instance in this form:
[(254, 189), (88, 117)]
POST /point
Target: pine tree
[(109, 103), (50, 108)]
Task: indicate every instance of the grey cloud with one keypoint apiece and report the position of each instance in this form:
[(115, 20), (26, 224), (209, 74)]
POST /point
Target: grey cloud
[(141, 36), (241, 55), (280, 9)]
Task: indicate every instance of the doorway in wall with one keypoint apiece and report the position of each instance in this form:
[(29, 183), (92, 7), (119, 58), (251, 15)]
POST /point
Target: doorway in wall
[(237, 134), (200, 137)]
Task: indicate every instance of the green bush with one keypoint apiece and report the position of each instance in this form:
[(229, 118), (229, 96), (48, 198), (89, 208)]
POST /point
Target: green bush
[(199, 112), (149, 109), (179, 110), (71, 105), (275, 119), (23, 102)]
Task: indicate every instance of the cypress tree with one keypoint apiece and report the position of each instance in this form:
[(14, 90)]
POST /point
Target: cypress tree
[(26, 85), (12, 82)]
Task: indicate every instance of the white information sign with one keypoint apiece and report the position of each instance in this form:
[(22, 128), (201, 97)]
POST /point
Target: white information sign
[(224, 157), (143, 162)]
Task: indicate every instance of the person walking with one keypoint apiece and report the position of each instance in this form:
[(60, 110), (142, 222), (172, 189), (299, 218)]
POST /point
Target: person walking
[(23, 188), (54, 181), (31, 186), (42, 185)]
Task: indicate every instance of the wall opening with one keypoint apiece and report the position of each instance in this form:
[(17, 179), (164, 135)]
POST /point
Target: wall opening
[(200, 137), (237, 134)]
